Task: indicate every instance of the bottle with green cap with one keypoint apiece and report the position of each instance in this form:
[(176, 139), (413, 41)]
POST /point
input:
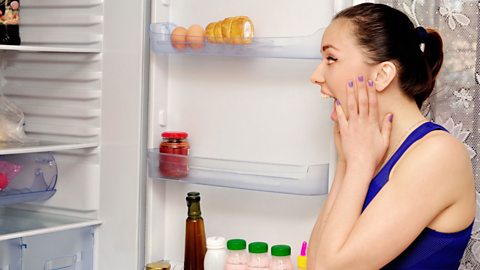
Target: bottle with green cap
[(236, 255), (281, 258), (258, 258)]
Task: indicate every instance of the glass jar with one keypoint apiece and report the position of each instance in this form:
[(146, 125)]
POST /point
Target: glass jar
[(258, 258), (161, 265), (281, 258), (174, 150)]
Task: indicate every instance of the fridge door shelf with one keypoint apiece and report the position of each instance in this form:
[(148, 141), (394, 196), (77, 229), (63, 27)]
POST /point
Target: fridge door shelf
[(299, 47), (280, 178), (27, 177)]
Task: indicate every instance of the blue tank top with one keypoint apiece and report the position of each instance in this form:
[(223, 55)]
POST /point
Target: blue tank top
[(431, 249)]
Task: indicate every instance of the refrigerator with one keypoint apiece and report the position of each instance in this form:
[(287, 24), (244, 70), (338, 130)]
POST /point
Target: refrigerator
[(98, 82)]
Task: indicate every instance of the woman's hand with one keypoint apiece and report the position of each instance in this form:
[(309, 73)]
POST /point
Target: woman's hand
[(363, 141)]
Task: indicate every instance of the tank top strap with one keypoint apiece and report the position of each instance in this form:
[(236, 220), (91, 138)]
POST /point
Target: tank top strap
[(382, 176)]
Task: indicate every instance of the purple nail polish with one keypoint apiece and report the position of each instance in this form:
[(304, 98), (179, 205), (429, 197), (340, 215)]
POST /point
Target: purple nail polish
[(390, 118), (337, 102), (350, 84), (360, 78), (370, 83)]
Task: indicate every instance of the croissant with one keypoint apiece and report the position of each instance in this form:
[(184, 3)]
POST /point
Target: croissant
[(232, 30)]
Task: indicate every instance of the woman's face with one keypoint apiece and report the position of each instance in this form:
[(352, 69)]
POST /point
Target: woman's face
[(343, 60)]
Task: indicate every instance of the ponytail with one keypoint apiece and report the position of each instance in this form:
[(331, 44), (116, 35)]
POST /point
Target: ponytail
[(433, 53)]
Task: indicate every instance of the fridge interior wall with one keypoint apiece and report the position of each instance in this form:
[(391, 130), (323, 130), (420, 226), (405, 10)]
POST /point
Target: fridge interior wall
[(249, 109), (66, 78)]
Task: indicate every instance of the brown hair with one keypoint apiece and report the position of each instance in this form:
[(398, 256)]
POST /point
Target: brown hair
[(386, 34)]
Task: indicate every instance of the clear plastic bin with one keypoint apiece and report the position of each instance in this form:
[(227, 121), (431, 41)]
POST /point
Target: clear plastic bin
[(282, 178), (301, 47), (30, 177), (66, 250)]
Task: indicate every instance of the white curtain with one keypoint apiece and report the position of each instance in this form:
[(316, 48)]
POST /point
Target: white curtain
[(455, 102)]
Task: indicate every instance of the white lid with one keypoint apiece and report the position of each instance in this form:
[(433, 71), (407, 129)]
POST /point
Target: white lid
[(215, 242)]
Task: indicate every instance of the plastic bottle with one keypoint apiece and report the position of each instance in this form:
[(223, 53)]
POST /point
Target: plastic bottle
[(195, 243), (281, 259), (302, 258), (258, 258), (216, 253), (237, 256)]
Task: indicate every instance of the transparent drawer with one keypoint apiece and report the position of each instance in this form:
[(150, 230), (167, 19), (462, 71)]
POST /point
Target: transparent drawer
[(302, 47), (10, 254), (281, 178), (66, 250), (27, 177)]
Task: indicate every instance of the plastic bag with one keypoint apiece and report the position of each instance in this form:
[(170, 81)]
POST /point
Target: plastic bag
[(12, 121)]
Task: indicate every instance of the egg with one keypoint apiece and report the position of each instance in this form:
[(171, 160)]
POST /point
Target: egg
[(178, 38), (195, 36)]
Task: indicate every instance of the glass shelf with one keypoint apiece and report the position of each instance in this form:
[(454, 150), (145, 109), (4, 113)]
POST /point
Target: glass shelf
[(40, 146), (281, 178), (300, 47), (16, 223), (27, 48)]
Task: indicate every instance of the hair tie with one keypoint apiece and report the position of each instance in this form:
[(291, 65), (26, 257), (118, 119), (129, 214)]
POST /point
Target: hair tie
[(422, 34)]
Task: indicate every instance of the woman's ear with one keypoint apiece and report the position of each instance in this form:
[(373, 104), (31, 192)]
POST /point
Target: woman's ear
[(384, 75)]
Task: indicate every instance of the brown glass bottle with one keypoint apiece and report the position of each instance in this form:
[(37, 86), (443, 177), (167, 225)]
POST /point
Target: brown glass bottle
[(195, 240)]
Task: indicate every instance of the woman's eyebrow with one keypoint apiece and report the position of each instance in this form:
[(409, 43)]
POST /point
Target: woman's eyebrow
[(328, 46)]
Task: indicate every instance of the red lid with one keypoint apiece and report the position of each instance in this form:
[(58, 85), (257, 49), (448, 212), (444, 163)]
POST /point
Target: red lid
[(174, 134)]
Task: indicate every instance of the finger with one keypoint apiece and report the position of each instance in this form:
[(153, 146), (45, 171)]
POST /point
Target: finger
[(351, 101), (362, 97), (342, 119), (372, 102), (387, 127)]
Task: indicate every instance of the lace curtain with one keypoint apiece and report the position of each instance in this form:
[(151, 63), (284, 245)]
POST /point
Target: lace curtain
[(455, 102)]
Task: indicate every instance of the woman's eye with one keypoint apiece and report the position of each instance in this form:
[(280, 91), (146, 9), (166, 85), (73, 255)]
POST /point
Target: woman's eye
[(331, 59)]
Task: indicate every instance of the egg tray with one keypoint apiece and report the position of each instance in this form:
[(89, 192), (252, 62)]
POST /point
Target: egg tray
[(298, 47)]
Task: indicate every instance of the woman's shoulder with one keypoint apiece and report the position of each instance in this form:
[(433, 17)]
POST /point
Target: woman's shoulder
[(438, 156)]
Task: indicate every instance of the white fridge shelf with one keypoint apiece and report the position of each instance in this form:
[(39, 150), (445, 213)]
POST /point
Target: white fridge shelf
[(15, 223), (41, 146), (280, 178), (26, 48), (299, 47)]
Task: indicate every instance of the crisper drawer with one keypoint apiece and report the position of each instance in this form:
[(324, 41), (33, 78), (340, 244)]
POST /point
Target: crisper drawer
[(66, 250), (10, 254)]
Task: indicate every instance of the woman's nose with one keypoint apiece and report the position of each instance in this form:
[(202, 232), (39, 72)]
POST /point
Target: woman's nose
[(317, 76)]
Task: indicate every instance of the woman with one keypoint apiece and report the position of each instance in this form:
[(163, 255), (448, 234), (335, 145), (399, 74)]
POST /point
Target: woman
[(403, 195)]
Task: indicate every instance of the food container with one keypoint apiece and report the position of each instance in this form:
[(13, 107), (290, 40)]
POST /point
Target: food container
[(174, 150)]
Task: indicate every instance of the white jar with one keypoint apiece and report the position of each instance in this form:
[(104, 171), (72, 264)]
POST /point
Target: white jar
[(216, 253)]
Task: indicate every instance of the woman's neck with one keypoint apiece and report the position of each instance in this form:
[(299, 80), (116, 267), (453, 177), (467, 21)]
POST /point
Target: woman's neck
[(406, 117)]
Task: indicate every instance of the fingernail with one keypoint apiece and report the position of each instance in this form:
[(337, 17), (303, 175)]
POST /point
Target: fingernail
[(350, 84), (390, 118), (360, 78), (337, 102), (370, 83)]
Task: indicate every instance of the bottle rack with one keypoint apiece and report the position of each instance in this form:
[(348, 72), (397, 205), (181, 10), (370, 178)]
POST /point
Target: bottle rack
[(281, 178), (299, 47), (30, 177)]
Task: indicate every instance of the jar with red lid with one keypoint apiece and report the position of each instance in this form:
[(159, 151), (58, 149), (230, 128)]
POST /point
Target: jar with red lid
[(174, 150)]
